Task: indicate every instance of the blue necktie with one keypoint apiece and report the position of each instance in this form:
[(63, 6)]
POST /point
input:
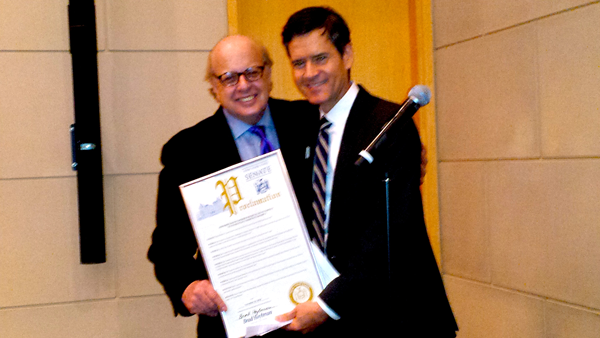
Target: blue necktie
[(319, 182), (265, 145)]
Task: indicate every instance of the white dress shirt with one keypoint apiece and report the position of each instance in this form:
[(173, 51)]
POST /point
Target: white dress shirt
[(338, 115), (248, 143)]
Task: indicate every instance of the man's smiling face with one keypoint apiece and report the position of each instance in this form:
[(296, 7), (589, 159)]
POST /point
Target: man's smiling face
[(245, 100), (320, 72)]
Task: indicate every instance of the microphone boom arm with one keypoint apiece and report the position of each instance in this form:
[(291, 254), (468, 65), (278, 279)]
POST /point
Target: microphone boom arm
[(406, 111)]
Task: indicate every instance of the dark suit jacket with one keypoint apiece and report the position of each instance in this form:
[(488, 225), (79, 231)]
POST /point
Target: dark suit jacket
[(412, 301), (195, 152)]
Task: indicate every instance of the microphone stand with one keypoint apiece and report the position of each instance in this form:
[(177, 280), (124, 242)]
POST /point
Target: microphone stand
[(387, 225)]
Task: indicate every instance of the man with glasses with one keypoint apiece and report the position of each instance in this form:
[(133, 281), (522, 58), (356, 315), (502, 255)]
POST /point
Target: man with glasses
[(247, 124)]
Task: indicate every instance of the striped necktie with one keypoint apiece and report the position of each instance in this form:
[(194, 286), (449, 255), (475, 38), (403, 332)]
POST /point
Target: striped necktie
[(265, 145), (319, 181)]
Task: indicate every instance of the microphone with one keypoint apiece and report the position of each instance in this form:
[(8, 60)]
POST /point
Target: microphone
[(418, 96)]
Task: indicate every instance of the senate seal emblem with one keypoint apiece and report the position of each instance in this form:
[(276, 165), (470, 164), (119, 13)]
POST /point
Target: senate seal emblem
[(261, 186), (300, 293)]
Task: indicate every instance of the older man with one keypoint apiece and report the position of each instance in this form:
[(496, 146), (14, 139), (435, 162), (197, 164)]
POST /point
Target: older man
[(247, 124), (378, 293)]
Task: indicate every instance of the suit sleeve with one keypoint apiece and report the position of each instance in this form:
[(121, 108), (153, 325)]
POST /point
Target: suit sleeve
[(174, 248)]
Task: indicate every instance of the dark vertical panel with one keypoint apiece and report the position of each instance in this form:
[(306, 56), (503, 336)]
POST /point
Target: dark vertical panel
[(88, 150)]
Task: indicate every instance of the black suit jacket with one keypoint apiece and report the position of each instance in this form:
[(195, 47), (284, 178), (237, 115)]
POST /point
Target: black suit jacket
[(411, 301), (195, 152)]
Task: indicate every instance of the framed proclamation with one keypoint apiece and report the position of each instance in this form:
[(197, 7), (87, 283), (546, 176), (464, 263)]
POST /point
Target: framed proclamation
[(253, 241)]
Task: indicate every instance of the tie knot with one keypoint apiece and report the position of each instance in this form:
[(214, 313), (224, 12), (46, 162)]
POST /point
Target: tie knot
[(325, 124), (258, 130), (265, 144)]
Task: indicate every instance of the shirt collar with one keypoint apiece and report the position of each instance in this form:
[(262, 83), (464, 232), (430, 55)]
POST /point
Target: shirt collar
[(339, 113), (239, 127)]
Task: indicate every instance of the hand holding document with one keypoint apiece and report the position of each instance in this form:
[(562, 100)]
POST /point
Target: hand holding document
[(253, 242)]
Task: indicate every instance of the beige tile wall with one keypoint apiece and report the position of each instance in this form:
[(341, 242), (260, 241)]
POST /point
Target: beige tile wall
[(36, 105), (485, 311), (544, 228), (162, 25), (499, 115), (151, 68), (135, 195), (569, 81), (39, 246), (468, 19), (69, 320), (465, 250), (146, 98), (518, 120), (152, 317), (571, 321)]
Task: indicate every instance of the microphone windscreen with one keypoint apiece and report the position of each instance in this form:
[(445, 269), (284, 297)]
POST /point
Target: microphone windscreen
[(421, 93)]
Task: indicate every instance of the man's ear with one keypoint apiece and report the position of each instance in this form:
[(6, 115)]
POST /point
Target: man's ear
[(267, 77), (212, 89), (348, 57)]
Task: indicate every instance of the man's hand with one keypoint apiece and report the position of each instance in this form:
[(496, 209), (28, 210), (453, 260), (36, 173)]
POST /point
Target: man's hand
[(200, 298), (306, 317)]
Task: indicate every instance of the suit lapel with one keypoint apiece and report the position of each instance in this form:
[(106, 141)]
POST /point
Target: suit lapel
[(354, 132), (361, 127)]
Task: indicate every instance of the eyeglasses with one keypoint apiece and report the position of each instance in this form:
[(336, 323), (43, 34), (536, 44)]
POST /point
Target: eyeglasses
[(251, 74)]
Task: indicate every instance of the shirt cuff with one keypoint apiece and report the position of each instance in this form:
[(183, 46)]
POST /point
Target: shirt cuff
[(327, 309)]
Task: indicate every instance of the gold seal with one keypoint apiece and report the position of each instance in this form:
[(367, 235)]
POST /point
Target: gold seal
[(300, 293)]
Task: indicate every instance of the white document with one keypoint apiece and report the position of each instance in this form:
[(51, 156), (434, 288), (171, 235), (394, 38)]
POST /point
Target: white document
[(326, 270), (253, 242)]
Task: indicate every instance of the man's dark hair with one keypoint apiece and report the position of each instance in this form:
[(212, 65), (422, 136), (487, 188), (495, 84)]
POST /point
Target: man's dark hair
[(311, 18)]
